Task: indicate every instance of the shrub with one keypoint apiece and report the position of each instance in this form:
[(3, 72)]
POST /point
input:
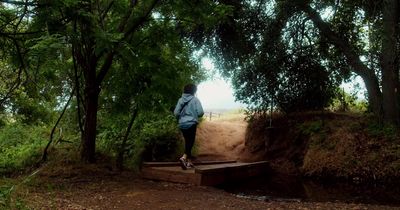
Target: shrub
[(20, 146), (311, 127), (154, 137), (379, 130), (348, 102), (159, 139)]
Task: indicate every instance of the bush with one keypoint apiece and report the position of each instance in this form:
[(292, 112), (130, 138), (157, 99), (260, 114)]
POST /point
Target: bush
[(348, 102), (154, 137), (158, 140), (310, 127), (379, 130), (20, 146)]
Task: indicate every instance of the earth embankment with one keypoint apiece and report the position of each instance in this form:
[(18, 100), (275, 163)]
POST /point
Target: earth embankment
[(221, 138)]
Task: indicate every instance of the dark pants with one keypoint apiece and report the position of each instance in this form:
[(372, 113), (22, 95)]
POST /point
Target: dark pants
[(189, 135)]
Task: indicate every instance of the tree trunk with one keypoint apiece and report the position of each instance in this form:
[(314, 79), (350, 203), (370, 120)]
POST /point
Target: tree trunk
[(374, 94), (389, 62), (88, 60), (92, 91)]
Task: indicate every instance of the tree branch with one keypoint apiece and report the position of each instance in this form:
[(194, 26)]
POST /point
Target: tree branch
[(110, 56), (140, 20), (120, 158), (16, 84), (44, 157), (22, 16), (104, 13), (21, 68), (368, 75), (342, 44), (78, 95), (19, 33), (19, 3)]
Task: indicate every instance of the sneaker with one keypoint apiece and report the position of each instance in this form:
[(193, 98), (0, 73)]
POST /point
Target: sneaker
[(189, 165), (183, 163)]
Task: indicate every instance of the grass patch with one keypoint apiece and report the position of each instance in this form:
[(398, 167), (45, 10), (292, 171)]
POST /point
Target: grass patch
[(311, 127), (386, 131), (21, 147), (354, 149), (14, 191)]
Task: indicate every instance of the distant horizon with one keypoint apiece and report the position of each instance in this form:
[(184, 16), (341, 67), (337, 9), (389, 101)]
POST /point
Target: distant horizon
[(217, 94)]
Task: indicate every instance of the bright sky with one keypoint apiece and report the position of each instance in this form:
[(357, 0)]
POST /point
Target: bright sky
[(216, 93), (355, 85)]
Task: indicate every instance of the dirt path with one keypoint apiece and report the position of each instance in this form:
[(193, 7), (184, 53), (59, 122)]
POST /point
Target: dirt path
[(221, 139), (125, 192)]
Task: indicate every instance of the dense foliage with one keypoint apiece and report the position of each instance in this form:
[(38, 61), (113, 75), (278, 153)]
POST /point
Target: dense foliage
[(20, 146), (107, 69), (264, 43)]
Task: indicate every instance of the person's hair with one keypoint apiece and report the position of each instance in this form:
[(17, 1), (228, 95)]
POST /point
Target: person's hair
[(190, 89)]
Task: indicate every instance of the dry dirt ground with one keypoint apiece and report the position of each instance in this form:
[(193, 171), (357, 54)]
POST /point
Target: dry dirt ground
[(222, 138), (99, 188), (124, 192)]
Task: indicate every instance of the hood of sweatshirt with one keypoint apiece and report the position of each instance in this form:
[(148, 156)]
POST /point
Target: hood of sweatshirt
[(186, 97)]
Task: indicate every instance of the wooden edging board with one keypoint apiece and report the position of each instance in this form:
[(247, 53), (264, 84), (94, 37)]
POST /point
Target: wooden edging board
[(158, 164), (211, 174), (171, 174), (217, 174)]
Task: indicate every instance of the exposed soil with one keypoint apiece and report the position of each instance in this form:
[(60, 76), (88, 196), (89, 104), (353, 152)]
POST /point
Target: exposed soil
[(326, 145), (74, 186), (123, 191), (221, 139)]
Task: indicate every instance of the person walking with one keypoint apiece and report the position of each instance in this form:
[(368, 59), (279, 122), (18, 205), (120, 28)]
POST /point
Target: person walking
[(187, 111)]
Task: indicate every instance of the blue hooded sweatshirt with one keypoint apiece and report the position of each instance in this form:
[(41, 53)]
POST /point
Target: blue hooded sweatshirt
[(190, 113)]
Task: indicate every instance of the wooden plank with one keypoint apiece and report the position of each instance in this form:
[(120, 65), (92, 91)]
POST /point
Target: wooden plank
[(213, 175), (222, 167), (206, 174), (172, 175), (156, 164)]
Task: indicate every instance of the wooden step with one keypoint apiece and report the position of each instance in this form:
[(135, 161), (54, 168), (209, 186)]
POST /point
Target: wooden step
[(206, 174), (221, 173), (157, 164)]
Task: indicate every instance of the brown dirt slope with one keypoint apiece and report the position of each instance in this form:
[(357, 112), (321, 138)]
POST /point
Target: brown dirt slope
[(221, 139), (327, 145)]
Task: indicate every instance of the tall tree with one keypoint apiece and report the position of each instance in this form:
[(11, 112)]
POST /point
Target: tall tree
[(99, 32), (384, 101), (345, 36)]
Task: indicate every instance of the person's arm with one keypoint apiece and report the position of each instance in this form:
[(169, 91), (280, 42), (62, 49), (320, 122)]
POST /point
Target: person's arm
[(199, 108), (177, 108)]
